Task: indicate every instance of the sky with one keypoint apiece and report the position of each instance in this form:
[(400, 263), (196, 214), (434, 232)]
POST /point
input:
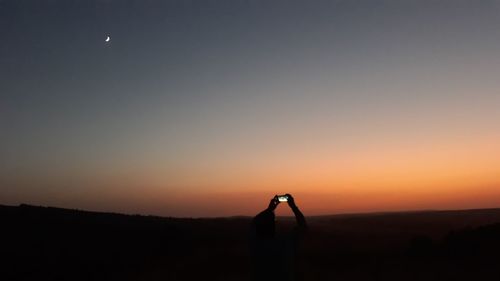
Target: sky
[(209, 108)]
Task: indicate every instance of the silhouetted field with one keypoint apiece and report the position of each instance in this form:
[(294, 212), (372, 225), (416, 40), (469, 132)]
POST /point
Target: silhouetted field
[(58, 244)]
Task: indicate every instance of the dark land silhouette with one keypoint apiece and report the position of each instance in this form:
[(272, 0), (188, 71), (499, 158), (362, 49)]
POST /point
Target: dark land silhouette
[(44, 243)]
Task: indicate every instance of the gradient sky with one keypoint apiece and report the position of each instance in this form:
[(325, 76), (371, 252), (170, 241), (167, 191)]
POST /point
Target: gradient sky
[(209, 108)]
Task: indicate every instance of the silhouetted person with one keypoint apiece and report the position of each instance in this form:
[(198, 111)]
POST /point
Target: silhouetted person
[(274, 253)]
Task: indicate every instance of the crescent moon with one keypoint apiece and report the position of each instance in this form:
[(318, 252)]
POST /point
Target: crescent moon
[(107, 39)]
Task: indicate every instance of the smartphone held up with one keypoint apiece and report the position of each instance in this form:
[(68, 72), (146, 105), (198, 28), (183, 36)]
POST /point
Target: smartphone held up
[(283, 198)]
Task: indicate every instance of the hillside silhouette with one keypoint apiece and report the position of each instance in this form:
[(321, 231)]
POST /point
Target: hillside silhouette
[(45, 243)]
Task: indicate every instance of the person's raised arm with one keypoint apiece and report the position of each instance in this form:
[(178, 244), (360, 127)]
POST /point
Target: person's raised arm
[(272, 206), (301, 220), (263, 223)]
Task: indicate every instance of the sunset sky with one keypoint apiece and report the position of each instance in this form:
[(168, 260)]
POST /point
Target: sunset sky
[(209, 108)]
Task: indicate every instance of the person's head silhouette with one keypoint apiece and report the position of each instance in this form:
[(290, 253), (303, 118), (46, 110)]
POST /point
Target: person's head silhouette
[(264, 225)]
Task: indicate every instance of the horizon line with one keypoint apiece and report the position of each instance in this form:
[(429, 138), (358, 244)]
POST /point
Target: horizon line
[(250, 216)]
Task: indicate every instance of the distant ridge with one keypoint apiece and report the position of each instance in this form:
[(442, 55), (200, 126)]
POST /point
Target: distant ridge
[(409, 212), (362, 214)]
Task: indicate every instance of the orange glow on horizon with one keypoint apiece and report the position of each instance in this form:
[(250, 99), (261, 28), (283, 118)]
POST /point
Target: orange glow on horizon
[(389, 177)]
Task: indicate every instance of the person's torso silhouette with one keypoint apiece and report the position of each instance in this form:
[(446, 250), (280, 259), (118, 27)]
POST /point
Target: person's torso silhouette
[(274, 254)]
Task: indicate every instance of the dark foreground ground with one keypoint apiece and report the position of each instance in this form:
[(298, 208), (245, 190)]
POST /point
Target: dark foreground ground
[(57, 244)]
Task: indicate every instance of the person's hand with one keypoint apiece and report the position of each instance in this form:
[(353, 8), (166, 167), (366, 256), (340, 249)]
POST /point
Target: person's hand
[(291, 201), (274, 203)]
